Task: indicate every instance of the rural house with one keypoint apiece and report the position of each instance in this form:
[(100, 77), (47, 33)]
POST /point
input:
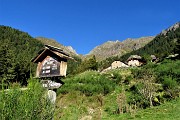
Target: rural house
[(153, 58), (52, 61), (115, 65), (118, 64), (135, 60)]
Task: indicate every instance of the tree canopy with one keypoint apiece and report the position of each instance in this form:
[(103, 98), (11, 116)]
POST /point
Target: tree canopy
[(17, 48)]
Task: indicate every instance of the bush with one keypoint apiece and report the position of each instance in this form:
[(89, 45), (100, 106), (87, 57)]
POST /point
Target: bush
[(88, 83), (169, 83), (128, 79), (135, 98), (29, 104), (116, 77), (166, 79), (168, 68)]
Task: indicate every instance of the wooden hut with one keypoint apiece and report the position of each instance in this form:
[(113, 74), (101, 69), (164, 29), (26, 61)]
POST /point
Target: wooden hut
[(52, 61)]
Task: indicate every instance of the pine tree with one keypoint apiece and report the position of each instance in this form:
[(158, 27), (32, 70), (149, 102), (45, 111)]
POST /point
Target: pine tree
[(92, 63), (177, 48), (7, 62)]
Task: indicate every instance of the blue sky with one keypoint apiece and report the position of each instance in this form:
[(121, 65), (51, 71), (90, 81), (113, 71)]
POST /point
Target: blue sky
[(84, 24)]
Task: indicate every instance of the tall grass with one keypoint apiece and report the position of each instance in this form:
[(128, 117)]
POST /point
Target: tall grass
[(88, 83), (29, 104)]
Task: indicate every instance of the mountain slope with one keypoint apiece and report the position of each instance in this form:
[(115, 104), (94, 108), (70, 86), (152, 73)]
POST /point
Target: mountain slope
[(17, 48), (114, 48), (162, 45), (67, 49)]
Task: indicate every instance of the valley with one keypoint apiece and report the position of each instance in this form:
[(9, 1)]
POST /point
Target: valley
[(87, 93)]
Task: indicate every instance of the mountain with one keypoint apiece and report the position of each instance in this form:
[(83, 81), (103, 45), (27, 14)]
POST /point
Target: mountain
[(164, 44), (172, 28), (114, 48), (67, 49), (17, 48)]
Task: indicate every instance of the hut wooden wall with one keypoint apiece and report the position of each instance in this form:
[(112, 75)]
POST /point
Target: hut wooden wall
[(63, 68)]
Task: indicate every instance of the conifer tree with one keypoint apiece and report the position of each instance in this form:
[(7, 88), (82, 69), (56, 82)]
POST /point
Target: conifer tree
[(7, 62)]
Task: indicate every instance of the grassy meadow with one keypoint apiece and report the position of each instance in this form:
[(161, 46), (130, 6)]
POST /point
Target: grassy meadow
[(148, 92)]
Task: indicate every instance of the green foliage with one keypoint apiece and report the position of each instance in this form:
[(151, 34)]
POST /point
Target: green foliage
[(111, 106), (89, 64), (29, 104), (114, 76), (107, 62), (73, 65), (168, 68), (167, 76), (88, 83), (168, 111), (7, 62), (128, 79), (169, 83), (177, 48), (16, 50), (129, 91)]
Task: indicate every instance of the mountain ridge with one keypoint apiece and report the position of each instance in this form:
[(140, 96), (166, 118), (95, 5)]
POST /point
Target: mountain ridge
[(164, 44), (114, 48), (107, 49), (171, 28), (53, 42)]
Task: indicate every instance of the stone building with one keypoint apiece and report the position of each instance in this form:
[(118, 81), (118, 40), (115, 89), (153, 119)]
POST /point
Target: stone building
[(135, 60), (118, 64)]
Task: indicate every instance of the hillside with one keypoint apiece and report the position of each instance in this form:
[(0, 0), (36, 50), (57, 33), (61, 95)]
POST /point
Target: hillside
[(121, 94), (17, 48), (67, 49), (114, 48), (162, 45)]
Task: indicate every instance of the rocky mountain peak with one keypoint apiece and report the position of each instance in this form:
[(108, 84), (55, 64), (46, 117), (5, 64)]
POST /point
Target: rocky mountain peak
[(67, 49), (172, 28), (113, 48), (70, 48)]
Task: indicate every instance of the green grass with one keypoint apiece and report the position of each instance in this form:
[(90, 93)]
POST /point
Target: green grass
[(88, 83), (167, 111), (93, 95), (74, 102), (74, 106)]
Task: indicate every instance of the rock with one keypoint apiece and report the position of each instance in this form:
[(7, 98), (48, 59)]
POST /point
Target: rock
[(114, 48), (51, 96)]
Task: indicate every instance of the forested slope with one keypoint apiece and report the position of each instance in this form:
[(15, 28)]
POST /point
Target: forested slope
[(164, 44), (17, 48)]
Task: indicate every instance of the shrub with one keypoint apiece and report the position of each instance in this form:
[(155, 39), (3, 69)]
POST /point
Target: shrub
[(88, 83), (128, 79), (168, 68), (116, 77), (29, 104), (169, 83)]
